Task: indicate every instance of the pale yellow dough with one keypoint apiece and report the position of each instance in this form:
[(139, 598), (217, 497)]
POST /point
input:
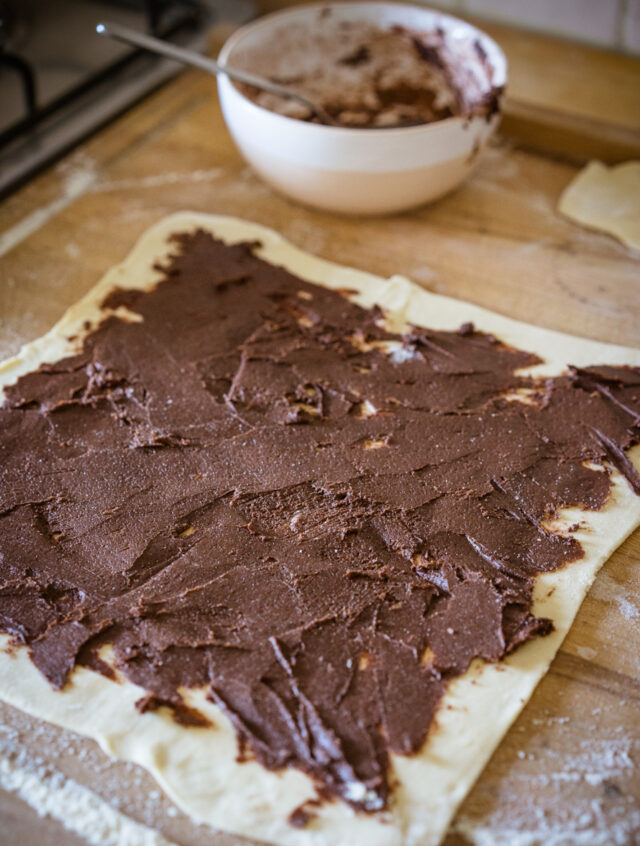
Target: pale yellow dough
[(606, 198), (198, 767)]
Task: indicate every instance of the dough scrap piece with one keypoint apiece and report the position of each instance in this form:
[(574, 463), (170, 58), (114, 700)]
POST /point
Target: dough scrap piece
[(606, 198), (198, 767)]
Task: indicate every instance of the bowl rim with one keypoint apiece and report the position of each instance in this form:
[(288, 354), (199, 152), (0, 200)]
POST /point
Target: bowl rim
[(294, 11)]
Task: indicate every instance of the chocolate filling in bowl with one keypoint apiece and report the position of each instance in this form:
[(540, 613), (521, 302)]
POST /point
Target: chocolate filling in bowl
[(368, 76)]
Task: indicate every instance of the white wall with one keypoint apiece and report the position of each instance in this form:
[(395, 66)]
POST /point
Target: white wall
[(614, 24)]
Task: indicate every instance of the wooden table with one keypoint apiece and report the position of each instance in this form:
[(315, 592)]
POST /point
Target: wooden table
[(572, 761)]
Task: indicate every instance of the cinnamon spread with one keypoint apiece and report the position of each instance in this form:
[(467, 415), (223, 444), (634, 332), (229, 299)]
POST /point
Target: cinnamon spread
[(258, 489)]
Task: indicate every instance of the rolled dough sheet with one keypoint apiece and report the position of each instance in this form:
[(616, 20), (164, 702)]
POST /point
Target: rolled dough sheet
[(606, 198), (197, 767)]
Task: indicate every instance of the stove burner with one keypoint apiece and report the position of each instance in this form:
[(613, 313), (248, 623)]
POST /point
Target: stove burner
[(59, 81), (26, 75)]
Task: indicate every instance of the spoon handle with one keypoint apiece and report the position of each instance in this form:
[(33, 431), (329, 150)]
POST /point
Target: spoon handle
[(190, 57)]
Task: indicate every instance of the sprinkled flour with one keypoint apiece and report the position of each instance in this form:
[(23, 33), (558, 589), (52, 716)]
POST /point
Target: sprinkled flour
[(77, 808)]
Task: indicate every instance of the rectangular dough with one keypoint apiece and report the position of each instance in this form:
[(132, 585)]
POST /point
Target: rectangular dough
[(198, 769)]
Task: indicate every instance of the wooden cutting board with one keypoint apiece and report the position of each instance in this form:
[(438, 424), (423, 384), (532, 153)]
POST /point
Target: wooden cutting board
[(571, 764)]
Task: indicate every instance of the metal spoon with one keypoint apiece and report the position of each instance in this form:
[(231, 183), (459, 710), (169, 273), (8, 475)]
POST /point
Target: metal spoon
[(190, 57)]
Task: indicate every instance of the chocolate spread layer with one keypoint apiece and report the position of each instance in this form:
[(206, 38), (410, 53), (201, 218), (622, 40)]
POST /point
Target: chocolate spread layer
[(258, 489), (366, 76)]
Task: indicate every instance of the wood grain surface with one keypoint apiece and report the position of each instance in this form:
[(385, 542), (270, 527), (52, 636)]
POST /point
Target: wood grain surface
[(569, 770)]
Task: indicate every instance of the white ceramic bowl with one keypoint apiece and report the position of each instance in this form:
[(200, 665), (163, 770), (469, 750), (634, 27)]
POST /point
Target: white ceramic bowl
[(357, 171)]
